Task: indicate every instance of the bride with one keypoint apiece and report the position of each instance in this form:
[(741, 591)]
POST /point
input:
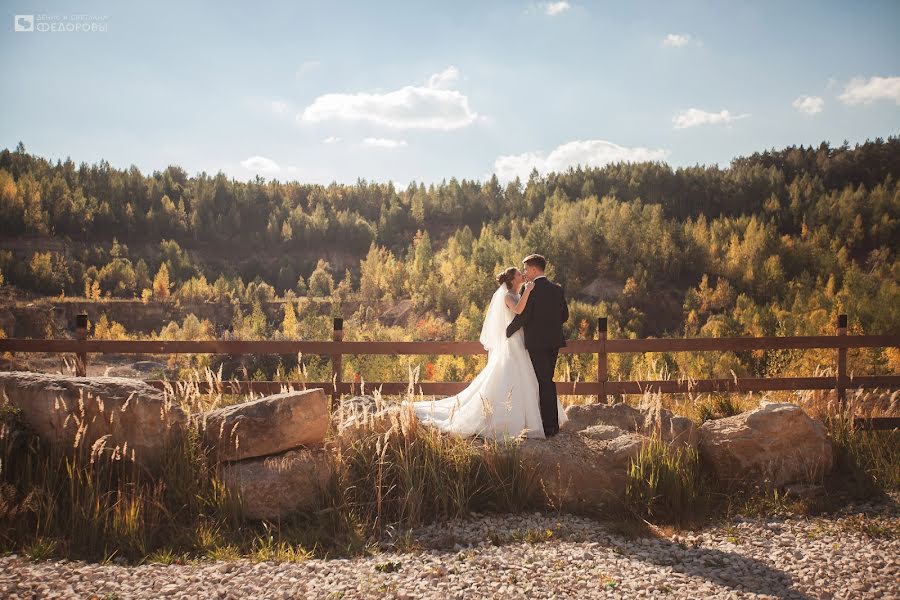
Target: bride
[(502, 400)]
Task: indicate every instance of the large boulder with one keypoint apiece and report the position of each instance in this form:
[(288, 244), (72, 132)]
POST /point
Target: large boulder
[(585, 470), (275, 486), (773, 445), (585, 467), (70, 412), (269, 425)]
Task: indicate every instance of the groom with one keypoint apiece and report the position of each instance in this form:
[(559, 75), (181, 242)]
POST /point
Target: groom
[(545, 312)]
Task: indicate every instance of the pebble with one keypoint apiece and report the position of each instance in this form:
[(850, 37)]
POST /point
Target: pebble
[(513, 556)]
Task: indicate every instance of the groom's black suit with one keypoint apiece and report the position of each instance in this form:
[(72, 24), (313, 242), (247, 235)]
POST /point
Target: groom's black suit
[(545, 312)]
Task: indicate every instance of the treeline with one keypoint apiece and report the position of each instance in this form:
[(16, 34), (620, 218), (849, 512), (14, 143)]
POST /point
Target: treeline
[(97, 202)]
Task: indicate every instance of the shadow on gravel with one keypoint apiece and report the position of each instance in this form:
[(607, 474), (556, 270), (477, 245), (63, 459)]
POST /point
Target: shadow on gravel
[(723, 568)]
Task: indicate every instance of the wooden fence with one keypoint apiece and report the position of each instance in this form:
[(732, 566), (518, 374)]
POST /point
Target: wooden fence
[(601, 346)]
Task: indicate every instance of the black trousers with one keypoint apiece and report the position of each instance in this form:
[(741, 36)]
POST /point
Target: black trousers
[(544, 362)]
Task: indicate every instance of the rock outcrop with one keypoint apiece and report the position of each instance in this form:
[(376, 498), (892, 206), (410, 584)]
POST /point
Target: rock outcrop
[(69, 411), (268, 425), (773, 445)]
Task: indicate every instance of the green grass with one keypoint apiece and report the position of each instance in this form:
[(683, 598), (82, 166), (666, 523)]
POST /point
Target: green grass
[(664, 483)]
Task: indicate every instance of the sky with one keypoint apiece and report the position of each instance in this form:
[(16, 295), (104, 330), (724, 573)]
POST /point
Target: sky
[(426, 91)]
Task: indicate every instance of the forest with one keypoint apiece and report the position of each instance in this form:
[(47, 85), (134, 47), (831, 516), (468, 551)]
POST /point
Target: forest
[(776, 243)]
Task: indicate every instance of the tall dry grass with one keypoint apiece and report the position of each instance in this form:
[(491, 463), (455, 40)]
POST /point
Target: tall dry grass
[(409, 474), (96, 502), (866, 462)]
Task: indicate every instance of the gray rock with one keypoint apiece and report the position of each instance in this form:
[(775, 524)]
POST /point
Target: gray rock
[(774, 445), (583, 470), (619, 415), (269, 425), (67, 411)]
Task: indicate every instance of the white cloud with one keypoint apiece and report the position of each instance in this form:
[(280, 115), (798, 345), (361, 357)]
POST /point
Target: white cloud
[(444, 78), (676, 40), (410, 107), (588, 153), (260, 164), (331, 140), (383, 143), (809, 104), (555, 8), (307, 67), (695, 116), (862, 91)]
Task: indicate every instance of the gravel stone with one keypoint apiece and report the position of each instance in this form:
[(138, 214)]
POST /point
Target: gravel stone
[(532, 556)]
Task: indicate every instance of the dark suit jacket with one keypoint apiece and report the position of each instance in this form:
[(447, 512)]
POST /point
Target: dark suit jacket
[(545, 312)]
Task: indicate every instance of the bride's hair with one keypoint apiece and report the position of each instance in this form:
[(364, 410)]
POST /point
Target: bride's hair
[(506, 277)]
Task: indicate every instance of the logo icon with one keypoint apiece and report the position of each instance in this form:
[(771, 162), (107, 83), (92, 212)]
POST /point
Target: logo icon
[(24, 22)]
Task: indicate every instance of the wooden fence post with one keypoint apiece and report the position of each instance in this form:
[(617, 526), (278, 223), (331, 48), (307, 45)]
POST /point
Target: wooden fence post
[(81, 323), (602, 374), (337, 360), (841, 376)]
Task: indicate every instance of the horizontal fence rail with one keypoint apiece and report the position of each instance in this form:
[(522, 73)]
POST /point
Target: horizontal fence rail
[(337, 348), (454, 348)]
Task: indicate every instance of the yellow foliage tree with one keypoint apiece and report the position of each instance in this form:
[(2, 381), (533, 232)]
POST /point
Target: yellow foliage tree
[(109, 330), (289, 324), (161, 285)]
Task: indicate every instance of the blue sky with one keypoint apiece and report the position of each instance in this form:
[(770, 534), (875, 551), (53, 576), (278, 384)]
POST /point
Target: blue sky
[(425, 91)]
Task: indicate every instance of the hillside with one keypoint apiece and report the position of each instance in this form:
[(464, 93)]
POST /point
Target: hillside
[(778, 242)]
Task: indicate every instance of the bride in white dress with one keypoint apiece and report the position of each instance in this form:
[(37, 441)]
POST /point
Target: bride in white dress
[(502, 400)]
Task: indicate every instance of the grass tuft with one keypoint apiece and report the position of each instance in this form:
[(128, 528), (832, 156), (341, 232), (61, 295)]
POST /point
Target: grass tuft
[(664, 483)]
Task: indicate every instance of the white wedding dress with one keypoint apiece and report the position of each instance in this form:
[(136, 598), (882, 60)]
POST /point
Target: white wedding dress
[(502, 401)]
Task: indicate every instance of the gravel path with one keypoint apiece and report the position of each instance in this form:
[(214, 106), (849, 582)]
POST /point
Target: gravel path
[(852, 554)]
